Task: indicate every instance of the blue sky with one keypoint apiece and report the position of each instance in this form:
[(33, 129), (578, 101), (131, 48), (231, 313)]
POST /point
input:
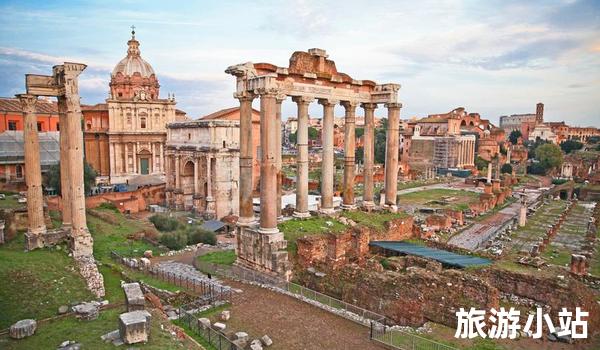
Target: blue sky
[(492, 57)]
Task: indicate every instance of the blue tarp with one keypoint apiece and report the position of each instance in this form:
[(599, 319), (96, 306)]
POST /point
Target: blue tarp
[(212, 225), (443, 256)]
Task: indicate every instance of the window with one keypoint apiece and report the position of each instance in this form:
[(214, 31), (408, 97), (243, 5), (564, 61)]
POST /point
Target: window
[(120, 94), (12, 126), (40, 126), (19, 171), (189, 136), (89, 125), (143, 122), (224, 146), (57, 127)]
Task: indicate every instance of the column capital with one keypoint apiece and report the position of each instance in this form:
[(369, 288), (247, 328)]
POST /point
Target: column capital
[(393, 105), (28, 102), (369, 106), (303, 99), (326, 102), (267, 91), (244, 96), (280, 98), (350, 104)]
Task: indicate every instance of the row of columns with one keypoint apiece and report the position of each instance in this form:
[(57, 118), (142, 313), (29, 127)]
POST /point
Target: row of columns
[(466, 153), (270, 141)]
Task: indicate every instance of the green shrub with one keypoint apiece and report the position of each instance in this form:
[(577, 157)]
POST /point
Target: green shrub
[(174, 240), (506, 169), (164, 223), (109, 206), (197, 235)]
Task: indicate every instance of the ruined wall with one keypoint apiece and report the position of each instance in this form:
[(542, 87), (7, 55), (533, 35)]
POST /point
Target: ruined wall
[(352, 245), (410, 298)]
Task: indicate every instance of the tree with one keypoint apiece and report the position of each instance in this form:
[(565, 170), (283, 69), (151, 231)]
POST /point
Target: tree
[(89, 177), (593, 139), (514, 136), (293, 137), (359, 132), (506, 169), (359, 155), (481, 163), (380, 138), (570, 146), (549, 156), (312, 133)]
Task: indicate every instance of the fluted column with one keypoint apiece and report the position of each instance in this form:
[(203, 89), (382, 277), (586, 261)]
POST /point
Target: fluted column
[(278, 162), (327, 174), (391, 154), (177, 171), (302, 157), (246, 159), (65, 167), (268, 167), (369, 153), (349, 149), (81, 240), (36, 226)]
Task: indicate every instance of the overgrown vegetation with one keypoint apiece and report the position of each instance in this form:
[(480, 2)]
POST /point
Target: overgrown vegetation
[(373, 220), (222, 257), (296, 228), (165, 223)]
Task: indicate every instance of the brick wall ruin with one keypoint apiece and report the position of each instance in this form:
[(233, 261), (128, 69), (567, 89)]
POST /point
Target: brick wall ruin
[(351, 245)]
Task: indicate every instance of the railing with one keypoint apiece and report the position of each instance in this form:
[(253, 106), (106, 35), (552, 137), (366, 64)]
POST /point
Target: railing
[(208, 291), (209, 334), (399, 339)]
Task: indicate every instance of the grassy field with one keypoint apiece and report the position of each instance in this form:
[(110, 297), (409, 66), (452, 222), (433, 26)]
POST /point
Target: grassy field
[(224, 257), (373, 220), (296, 228), (459, 202), (10, 201)]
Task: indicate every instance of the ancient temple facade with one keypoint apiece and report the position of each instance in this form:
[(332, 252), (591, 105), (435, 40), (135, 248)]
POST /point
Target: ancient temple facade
[(137, 118)]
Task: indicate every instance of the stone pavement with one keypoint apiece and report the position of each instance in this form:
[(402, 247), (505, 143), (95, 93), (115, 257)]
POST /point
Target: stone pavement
[(187, 272)]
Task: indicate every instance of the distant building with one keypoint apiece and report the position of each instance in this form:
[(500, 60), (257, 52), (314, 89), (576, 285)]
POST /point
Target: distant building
[(12, 154)]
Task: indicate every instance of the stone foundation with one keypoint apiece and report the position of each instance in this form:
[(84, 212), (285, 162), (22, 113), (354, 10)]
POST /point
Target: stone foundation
[(93, 278), (261, 251)]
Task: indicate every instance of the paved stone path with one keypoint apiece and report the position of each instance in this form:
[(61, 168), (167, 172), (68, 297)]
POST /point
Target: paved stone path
[(187, 272)]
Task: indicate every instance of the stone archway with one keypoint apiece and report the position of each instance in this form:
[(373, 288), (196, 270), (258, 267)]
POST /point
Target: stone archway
[(144, 160), (187, 182)]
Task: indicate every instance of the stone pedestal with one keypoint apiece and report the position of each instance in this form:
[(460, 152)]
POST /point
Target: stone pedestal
[(134, 326), (262, 251), (134, 298)]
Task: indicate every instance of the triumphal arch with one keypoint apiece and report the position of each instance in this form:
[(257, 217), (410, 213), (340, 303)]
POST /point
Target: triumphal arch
[(310, 77)]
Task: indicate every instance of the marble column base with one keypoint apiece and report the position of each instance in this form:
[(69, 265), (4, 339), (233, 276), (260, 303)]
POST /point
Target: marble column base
[(301, 215)]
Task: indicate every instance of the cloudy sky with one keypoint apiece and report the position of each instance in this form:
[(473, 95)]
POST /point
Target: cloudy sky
[(492, 57)]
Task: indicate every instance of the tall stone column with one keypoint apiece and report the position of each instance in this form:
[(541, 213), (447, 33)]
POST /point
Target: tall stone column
[(210, 201), (369, 154), (349, 149), (327, 170), (278, 149), (391, 154), (161, 167), (36, 226), (196, 184), (268, 167), (65, 167), (135, 165), (177, 171), (111, 156), (81, 240), (246, 159), (302, 157)]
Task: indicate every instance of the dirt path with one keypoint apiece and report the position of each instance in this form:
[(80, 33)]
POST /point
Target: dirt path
[(293, 324)]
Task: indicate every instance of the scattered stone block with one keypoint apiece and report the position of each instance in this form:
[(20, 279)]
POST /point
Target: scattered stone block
[(266, 340), (148, 254), (111, 336), (134, 326), (241, 344), (225, 315), (144, 263), (204, 323), (241, 335), (63, 309), (87, 311), (22, 329), (134, 298), (256, 345), (219, 326), (69, 345)]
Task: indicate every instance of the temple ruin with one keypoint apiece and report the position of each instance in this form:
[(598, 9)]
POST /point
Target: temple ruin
[(62, 84), (310, 77)]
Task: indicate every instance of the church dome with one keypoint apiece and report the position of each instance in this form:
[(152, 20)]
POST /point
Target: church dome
[(133, 63)]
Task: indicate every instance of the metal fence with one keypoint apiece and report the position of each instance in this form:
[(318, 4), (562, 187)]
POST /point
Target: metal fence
[(208, 291), (399, 339), (209, 334)]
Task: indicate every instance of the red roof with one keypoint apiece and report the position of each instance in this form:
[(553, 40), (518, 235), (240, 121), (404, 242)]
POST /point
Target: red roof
[(227, 111), (12, 104)]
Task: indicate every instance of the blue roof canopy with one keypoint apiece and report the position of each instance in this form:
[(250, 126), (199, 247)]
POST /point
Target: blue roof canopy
[(443, 256)]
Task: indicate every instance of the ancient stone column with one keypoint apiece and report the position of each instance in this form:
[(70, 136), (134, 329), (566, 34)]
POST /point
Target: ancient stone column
[(268, 166), (489, 173), (81, 240), (65, 167), (161, 167), (177, 171), (246, 159), (210, 207), (327, 169), (302, 157), (349, 148), (196, 184), (369, 153), (278, 149), (36, 226), (391, 154)]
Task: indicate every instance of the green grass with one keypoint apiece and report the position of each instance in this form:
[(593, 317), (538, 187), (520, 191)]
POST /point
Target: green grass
[(205, 344), (297, 228), (223, 257), (88, 333), (36, 283), (373, 220), (10, 202), (461, 201), (557, 256)]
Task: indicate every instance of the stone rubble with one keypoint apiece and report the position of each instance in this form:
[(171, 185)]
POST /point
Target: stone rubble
[(22, 329), (219, 326), (94, 279), (134, 298), (69, 345), (266, 340), (87, 311), (225, 315), (256, 345), (186, 272)]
